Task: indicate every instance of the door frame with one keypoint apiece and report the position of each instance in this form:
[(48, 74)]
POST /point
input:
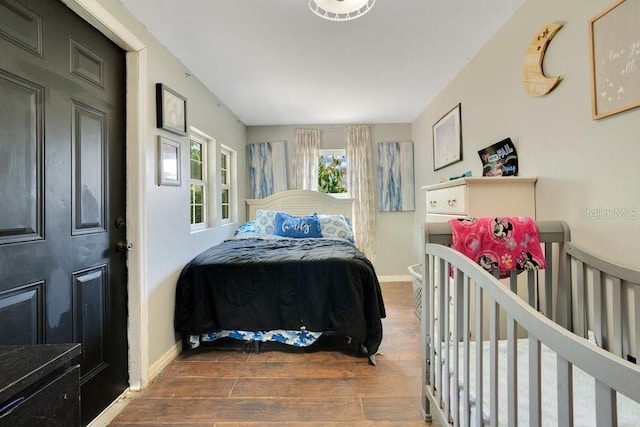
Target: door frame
[(136, 150)]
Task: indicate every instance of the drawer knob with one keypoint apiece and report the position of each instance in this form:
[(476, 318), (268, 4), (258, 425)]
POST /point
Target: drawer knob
[(451, 202), (433, 203)]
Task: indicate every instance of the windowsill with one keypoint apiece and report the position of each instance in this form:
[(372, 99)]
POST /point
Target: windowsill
[(199, 229), (231, 224)]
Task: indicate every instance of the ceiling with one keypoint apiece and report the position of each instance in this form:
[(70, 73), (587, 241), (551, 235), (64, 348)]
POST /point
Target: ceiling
[(274, 62)]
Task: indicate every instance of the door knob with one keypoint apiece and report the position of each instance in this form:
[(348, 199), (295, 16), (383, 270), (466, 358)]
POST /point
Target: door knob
[(124, 246)]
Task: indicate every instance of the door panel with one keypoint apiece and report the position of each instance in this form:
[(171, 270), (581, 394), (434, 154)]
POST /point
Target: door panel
[(22, 315), (61, 191), (21, 159), (88, 175), (90, 290), (87, 65), (21, 26)]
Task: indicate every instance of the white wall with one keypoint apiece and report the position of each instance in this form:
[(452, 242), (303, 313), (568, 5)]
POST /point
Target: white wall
[(584, 167), (168, 241), (393, 229)]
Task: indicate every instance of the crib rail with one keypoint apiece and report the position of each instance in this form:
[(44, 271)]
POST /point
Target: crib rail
[(541, 286), (466, 311), (606, 302)]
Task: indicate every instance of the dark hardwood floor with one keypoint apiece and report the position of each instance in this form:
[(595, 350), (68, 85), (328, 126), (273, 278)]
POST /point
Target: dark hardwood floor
[(326, 385)]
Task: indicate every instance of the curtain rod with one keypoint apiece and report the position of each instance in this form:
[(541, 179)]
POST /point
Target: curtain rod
[(331, 129)]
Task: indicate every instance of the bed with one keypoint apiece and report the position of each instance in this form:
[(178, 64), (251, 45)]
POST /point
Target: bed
[(560, 352), (290, 274)]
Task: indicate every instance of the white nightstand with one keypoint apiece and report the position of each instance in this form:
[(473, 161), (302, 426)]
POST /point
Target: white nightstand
[(481, 196)]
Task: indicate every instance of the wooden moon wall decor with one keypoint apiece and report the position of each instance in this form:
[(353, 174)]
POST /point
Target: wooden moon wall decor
[(535, 82)]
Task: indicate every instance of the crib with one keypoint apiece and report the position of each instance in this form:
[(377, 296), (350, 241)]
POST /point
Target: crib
[(551, 347)]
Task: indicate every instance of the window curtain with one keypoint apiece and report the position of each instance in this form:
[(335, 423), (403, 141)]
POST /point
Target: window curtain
[(267, 168), (361, 187), (305, 159)]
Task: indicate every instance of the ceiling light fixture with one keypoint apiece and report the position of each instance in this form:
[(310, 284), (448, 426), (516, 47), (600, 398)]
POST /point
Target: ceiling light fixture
[(340, 10)]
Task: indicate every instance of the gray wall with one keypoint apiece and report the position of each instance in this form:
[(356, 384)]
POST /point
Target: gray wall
[(583, 166), (171, 244), (393, 229), (169, 241), (587, 170)]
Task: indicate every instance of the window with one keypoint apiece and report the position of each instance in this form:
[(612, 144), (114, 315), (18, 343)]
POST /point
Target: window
[(227, 170), (212, 186), (332, 172), (198, 184)]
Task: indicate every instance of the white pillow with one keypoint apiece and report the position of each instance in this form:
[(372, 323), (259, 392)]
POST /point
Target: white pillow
[(335, 227), (265, 221)]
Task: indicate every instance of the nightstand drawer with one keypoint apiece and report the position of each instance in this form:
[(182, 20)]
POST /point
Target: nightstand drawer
[(448, 201)]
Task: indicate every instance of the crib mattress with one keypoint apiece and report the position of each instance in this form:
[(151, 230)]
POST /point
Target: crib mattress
[(583, 389)]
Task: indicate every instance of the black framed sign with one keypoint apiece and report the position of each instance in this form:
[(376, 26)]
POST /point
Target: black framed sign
[(171, 110)]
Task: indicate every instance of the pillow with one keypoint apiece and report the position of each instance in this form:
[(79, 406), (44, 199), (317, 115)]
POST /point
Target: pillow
[(247, 227), (297, 226), (336, 227), (265, 221)]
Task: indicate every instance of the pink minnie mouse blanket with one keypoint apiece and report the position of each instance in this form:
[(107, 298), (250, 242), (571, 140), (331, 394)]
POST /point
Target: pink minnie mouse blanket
[(499, 245)]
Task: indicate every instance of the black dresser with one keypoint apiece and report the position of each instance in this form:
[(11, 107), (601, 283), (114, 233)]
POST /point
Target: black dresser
[(40, 385)]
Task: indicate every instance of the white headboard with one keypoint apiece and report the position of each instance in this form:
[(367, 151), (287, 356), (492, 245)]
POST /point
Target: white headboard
[(301, 202)]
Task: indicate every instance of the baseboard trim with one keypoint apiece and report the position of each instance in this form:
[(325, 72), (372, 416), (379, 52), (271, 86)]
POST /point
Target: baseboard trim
[(165, 359), (399, 278), (112, 411)]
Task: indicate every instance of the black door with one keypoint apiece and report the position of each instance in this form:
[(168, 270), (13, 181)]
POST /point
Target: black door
[(62, 191)]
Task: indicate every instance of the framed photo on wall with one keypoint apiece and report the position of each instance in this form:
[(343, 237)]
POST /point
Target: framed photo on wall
[(395, 177), (168, 162), (614, 36), (447, 139), (171, 110)]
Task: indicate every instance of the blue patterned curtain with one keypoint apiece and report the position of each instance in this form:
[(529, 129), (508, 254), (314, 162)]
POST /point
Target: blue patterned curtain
[(267, 168)]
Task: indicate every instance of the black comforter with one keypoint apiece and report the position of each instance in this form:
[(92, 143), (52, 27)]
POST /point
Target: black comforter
[(262, 284)]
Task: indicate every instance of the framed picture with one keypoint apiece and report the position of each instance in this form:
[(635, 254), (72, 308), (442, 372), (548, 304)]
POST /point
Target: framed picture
[(614, 36), (171, 110), (168, 162), (447, 139), (395, 177)]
